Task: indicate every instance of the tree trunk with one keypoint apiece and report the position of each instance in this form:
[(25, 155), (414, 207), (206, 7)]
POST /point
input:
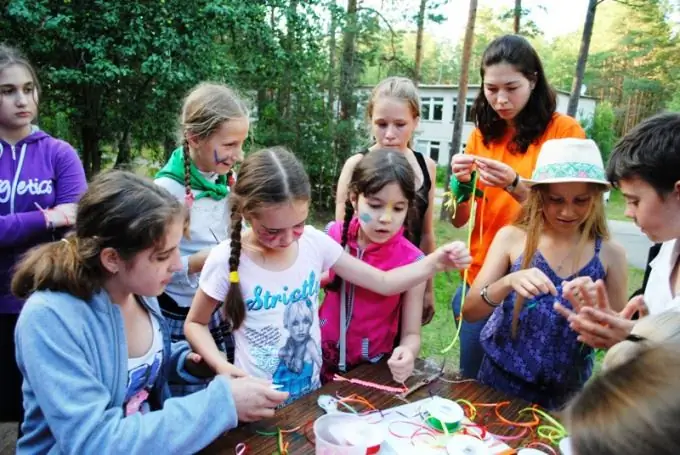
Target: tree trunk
[(582, 58), (345, 131), (331, 64), (462, 95), (169, 146), (124, 145), (419, 42), (91, 152), (517, 15)]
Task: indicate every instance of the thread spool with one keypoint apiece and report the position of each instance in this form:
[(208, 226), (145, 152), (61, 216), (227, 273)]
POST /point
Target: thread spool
[(444, 415), (462, 444)]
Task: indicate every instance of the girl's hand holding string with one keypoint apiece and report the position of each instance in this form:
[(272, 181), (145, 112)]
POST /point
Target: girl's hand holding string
[(462, 165), (401, 363), (530, 283), (454, 255), (593, 318)]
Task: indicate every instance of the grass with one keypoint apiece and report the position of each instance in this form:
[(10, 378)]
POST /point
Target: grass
[(616, 206)]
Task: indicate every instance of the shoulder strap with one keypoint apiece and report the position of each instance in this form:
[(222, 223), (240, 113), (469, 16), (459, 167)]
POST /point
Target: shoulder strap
[(427, 182), (598, 245)]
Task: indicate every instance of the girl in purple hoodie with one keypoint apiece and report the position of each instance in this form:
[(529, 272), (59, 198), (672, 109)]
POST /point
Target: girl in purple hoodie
[(41, 179)]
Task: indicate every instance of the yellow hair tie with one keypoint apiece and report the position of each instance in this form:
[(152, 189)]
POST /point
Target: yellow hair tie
[(233, 277)]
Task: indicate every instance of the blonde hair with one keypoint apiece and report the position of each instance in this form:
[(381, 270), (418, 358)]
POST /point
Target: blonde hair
[(630, 409), (205, 109), (658, 328), (531, 221), (398, 88)]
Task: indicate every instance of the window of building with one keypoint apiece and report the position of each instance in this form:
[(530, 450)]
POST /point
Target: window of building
[(432, 108), (434, 150), (468, 111)]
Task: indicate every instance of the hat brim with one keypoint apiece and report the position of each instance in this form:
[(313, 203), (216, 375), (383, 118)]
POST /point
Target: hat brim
[(530, 183)]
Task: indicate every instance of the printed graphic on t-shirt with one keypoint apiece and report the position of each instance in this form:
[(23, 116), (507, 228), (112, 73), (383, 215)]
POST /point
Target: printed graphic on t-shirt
[(299, 360), (281, 336), (140, 381)]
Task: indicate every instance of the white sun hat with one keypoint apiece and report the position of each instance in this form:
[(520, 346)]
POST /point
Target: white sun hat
[(568, 160)]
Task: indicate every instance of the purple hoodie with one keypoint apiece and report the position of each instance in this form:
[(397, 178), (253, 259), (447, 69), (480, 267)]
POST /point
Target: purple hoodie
[(41, 170)]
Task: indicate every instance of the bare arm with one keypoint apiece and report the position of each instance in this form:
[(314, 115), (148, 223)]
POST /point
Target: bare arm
[(343, 185), (614, 256), (411, 311), (493, 273), (199, 337), (427, 241), (396, 281)]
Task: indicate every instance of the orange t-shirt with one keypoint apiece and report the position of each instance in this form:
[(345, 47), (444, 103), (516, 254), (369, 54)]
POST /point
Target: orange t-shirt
[(500, 208)]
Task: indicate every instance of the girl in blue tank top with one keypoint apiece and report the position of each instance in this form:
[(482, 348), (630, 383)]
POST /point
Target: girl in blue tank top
[(530, 350)]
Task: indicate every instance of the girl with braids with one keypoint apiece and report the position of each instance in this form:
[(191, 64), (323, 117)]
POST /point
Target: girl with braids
[(214, 124), (529, 349), (93, 347), (277, 262), (379, 211)]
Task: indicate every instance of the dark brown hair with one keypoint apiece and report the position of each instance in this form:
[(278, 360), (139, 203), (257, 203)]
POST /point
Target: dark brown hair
[(532, 121), (375, 170), (266, 178), (651, 152), (119, 210)]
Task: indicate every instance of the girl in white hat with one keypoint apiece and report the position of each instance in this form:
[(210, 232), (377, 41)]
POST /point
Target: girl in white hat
[(530, 350)]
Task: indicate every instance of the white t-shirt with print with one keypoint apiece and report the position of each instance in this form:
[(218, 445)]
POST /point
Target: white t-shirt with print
[(280, 338), (658, 294)]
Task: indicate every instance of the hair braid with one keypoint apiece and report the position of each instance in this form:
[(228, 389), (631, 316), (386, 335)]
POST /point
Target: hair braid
[(189, 196), (234, 306), (349, 213)]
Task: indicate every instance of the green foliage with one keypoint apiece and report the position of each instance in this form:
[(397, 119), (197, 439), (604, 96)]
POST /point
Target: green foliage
[(600, 128)]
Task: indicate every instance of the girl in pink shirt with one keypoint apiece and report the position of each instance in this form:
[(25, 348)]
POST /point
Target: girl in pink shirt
[(357, 324)]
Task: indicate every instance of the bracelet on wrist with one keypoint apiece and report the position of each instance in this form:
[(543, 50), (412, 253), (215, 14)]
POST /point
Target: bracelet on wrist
[(485, 296)]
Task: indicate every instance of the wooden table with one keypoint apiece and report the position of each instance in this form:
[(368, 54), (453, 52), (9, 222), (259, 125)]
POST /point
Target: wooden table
[(306, 409)]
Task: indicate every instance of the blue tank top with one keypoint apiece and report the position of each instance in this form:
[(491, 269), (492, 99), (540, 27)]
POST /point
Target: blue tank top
[(545, 363)]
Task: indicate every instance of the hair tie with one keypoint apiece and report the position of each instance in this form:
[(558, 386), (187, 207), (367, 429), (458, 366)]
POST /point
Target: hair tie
[(233, 276), (64, 239)]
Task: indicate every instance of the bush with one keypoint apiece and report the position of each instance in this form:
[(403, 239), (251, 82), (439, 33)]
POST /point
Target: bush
[(441, 176), (600, 128)]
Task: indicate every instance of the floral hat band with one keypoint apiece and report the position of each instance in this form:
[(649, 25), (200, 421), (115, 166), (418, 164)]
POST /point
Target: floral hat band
[(568, 160)]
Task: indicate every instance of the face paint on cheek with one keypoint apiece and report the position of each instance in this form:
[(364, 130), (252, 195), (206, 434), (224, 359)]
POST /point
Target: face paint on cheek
[(365, 217)]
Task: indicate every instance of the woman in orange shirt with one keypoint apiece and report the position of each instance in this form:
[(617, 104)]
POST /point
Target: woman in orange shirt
[(514, 115)]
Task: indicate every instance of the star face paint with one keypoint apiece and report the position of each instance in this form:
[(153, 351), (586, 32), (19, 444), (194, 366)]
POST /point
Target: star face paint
[(382, 214)]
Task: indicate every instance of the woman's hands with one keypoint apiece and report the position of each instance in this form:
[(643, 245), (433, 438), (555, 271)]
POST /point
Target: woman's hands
[(491, 172)]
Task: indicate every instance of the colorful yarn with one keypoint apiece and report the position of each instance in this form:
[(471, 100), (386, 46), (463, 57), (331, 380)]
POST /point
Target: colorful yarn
[(373, 385), (471, 226)]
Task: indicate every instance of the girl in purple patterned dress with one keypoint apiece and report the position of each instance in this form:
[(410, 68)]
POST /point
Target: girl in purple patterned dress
[(530, 350)]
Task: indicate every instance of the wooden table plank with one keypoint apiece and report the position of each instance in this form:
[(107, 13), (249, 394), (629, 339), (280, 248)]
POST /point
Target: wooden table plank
[(306, 410)]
